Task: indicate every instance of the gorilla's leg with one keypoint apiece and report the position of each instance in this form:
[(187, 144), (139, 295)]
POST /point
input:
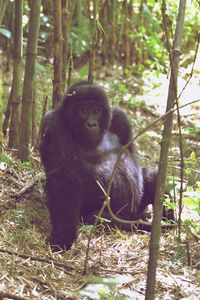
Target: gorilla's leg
[(64, 207), (150, 176)]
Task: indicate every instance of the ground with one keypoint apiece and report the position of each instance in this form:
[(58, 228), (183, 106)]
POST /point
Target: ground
[(117, 261), (115, 266)]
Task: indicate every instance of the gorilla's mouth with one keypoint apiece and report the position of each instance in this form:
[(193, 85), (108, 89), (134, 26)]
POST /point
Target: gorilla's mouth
[(93, 133), (92, 136)]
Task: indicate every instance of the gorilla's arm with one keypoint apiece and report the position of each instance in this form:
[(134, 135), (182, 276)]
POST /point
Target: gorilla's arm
[(120, 125), (62, 183)]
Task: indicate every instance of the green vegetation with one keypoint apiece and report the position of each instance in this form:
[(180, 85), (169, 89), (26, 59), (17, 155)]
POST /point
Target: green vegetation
[(124, 44)]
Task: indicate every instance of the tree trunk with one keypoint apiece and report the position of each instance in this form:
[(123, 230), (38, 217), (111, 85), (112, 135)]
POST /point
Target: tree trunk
[(70, 13), (65, 23), (16, 84), (29, 76), (126, 37), (3, 4), (34, 130), (166, 136), (58, 52), (1, 136), (94, 44)]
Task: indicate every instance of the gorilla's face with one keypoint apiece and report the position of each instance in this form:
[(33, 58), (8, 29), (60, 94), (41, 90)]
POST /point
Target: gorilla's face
[(87, 114), (87, 122)]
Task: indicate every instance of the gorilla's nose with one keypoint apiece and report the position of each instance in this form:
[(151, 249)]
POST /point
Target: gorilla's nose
[(91, 124)]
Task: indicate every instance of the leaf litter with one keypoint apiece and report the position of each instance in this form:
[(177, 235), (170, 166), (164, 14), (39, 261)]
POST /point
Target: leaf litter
[(117, 264)]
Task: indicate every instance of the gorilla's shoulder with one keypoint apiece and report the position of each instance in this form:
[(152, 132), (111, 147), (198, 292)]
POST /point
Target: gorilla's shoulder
[(49, 121)]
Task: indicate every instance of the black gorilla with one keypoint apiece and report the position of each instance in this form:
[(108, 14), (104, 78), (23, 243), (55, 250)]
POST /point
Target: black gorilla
[(79, 146)]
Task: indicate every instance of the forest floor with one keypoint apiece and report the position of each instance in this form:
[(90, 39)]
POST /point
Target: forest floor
[(117, 261), (116, 266)]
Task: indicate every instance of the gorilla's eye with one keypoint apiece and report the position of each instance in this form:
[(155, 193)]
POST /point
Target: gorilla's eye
[(84, 110), (96, 110)]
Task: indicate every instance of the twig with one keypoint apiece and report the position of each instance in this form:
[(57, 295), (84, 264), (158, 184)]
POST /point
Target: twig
[(188, 253), (107, 193), (39, 259), (131, 272), (124, 148), (12, 296), (94, 226), (29, 185)]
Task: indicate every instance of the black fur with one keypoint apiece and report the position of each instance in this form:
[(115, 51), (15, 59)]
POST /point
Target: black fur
[(121, 126), (76, 156)]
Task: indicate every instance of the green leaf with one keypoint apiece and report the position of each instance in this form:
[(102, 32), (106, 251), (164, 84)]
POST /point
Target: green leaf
[(169, 204), (86, 227), (6, 159), (197, 209), (193, 156), (25, 165), (188, 171), (191, 201), (102, 292), (83, 71), (193, 130), (151, 2), (92, 291), (42, 68)]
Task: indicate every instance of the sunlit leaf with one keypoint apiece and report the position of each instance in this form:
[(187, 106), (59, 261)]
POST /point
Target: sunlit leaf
[(191, 201), (83, 71), (193, 156), (86, 227), (103, 219), (5, 32), (5, 159), (169, 204)]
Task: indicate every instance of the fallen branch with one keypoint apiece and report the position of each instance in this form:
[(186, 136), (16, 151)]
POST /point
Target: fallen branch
[(29, 185), (39, 259)]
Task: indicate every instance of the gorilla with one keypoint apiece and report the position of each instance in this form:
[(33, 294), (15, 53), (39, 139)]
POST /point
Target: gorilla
[(80, 143)]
